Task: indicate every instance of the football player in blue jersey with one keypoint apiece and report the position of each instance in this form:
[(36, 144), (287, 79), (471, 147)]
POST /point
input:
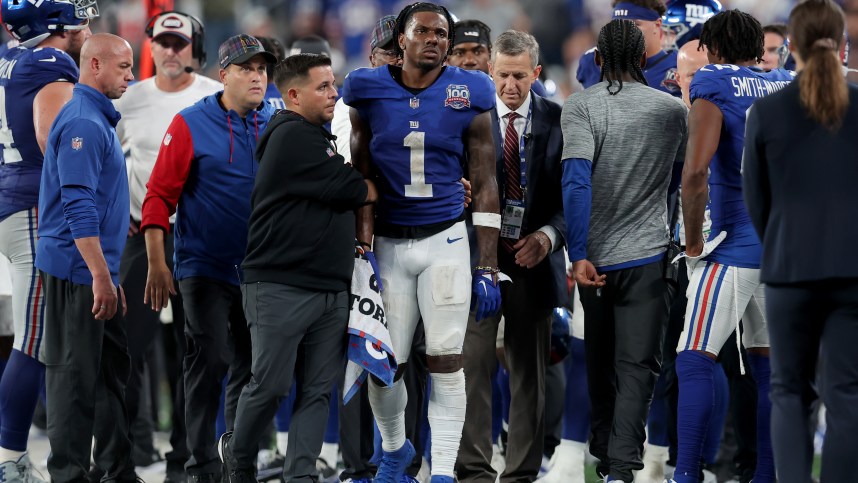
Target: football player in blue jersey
[(412, 127), (724, 271), (272, 95), (660, 68), (36, 80), (683, 20)]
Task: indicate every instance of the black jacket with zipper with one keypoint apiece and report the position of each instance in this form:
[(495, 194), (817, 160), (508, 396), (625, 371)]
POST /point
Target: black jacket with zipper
[(302, 222)]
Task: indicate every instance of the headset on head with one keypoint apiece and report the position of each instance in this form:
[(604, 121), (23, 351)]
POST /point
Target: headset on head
[(198, 36)]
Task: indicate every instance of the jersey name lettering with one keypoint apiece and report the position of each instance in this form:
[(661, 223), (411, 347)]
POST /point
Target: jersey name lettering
[(6, 67)]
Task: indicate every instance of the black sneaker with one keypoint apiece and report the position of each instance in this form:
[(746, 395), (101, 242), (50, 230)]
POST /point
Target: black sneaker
[(94, 474), (205, 478), (325, 470), (232, 473), (175, 473)]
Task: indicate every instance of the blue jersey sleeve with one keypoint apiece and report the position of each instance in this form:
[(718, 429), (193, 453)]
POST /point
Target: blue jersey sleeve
[(711, 83), (358, 86), (80, 148), (482, 90), (50, 65), (588, 72)]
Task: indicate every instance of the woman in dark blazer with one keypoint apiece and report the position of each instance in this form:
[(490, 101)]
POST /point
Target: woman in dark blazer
[(801, 188)]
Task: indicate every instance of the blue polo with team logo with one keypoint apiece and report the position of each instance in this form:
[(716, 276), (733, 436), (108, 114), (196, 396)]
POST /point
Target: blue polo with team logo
[(84, 188)]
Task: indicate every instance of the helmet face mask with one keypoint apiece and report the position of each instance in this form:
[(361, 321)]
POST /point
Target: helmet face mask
[(32, 22), (86, 9)]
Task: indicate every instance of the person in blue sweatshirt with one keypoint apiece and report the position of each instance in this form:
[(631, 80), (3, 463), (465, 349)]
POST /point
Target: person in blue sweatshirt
[(83, 208), (204, 173)]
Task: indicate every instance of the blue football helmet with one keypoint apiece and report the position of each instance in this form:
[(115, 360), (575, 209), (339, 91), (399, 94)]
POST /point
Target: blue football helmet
[(684, 19), (31, 21)]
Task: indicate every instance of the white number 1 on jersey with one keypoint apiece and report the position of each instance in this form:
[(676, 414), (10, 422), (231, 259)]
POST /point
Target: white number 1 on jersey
[(418, 187)]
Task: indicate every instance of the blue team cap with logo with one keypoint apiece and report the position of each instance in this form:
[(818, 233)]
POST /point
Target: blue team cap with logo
[(630, 11)]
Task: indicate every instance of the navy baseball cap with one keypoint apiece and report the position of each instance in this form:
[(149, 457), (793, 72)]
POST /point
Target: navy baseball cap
[(311, 45), (241, 48)]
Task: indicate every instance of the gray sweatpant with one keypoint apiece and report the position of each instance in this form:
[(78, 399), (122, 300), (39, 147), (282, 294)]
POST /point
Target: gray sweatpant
[(293, 331)]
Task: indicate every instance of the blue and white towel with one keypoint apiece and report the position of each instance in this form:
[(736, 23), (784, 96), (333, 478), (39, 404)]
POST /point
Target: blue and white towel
[(370, 349)]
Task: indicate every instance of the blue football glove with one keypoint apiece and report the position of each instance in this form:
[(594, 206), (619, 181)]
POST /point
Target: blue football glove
[(361, 251), (374, 264), (486, 297)]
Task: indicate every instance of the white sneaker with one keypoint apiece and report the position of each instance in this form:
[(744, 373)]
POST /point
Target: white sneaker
[(567, 465), (654, 461), (20, 471), (709, 477)]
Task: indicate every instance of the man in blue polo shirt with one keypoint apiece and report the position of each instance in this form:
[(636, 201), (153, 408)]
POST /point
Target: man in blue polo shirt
[(82, 230)]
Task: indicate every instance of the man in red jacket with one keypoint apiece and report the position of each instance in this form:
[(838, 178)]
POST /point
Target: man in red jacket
[(206, 167)]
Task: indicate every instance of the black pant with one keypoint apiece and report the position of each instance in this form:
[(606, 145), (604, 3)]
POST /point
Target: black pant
[(175, 347), (141, 323), (294, 331), (806, 322), (218, 341), (356, 434), (624, 323), (87, 368)]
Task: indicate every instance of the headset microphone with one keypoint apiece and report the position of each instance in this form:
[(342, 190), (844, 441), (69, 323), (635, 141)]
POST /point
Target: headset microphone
[(189, 69)]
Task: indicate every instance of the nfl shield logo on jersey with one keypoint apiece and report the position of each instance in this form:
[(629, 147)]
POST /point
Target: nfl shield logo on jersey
[(414, 103), (77, 144), (458, 96)]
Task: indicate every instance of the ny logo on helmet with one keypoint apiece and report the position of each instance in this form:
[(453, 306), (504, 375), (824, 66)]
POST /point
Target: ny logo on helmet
[(697, 14)]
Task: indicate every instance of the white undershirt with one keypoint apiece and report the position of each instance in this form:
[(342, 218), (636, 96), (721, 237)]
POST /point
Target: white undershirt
[(146, 114)]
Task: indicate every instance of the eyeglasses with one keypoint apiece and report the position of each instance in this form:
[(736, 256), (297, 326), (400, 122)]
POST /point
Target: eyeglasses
[(385, 53)]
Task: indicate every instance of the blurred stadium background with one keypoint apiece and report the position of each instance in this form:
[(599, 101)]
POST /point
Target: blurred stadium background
[(565, 29)]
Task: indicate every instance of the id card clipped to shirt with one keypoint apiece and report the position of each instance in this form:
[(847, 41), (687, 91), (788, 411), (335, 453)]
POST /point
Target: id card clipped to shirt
[(513, 218)]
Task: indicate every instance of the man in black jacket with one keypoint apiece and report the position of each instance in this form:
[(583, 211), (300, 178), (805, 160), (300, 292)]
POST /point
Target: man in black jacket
[(297, 270)]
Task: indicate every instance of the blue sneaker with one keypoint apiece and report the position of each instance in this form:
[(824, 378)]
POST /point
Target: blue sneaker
[(442, 479), (393, 464)]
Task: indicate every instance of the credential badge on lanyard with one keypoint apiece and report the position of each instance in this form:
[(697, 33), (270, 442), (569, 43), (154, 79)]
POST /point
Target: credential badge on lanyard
[(513, 211)]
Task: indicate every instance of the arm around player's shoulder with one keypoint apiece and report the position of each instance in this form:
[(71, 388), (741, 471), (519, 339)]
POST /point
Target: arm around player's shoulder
[(304, 156)]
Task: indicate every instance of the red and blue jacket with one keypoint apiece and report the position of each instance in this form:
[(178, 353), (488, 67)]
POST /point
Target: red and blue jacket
[(204, 173)]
